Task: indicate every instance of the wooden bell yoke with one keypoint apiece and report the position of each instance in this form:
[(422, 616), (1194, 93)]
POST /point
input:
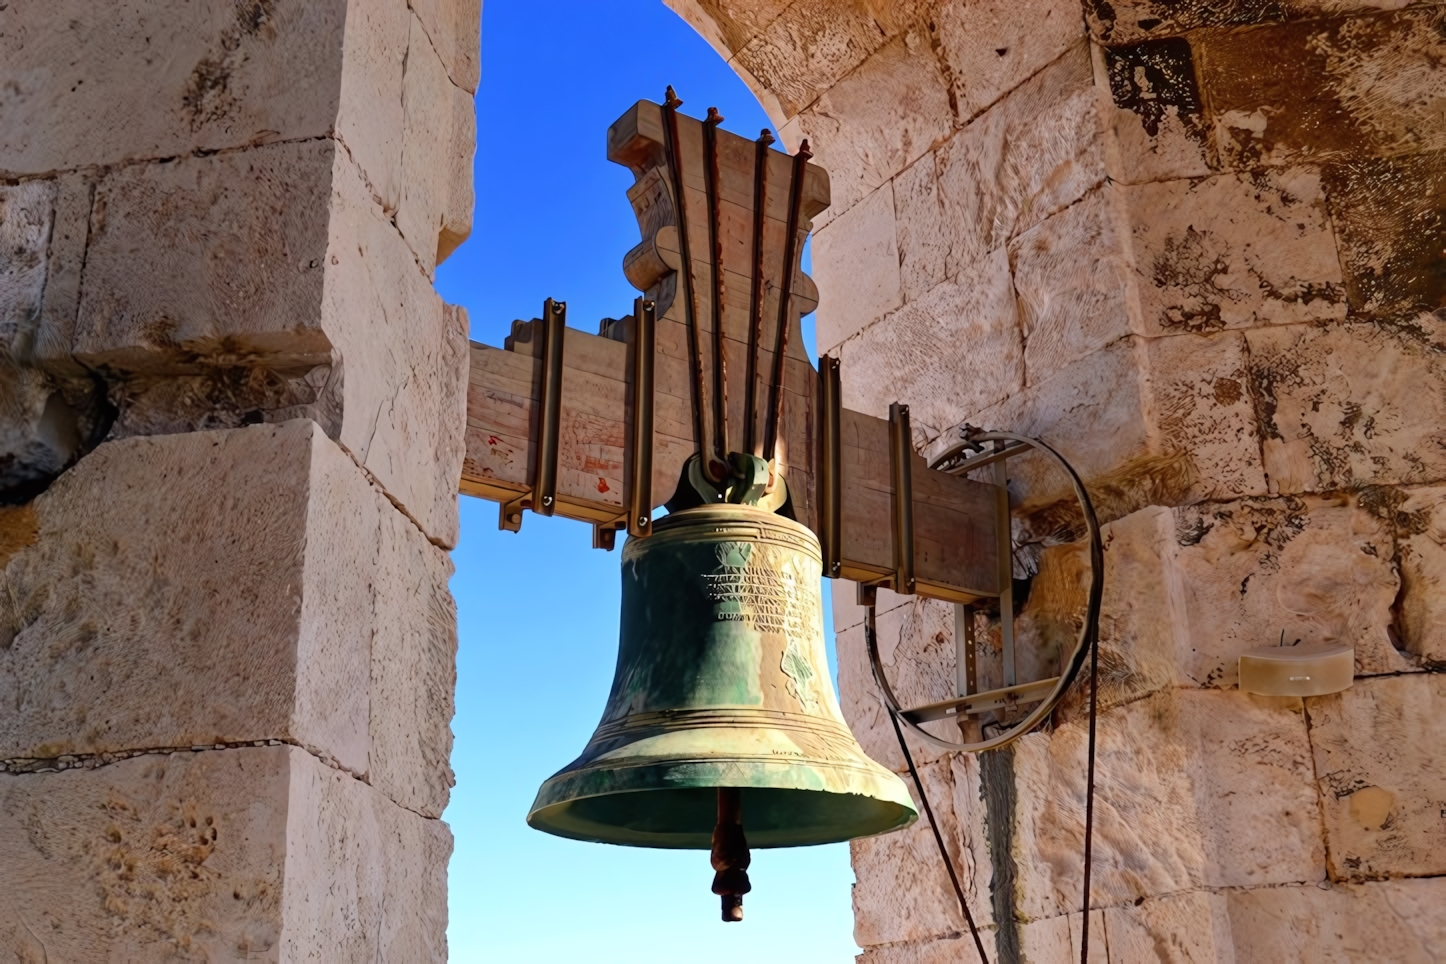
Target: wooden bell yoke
[(600, 428)]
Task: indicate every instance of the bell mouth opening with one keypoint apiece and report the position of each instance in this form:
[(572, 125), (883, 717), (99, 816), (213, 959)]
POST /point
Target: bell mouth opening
[(683, 818)]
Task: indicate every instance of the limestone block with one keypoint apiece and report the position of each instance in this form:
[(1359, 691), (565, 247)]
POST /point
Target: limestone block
[(991, 48), (256, 854), (1387, 216), (916, 648), (1377, 750), (808, 47), (278, 259), (1365, 85), (1420, 520), (903, 891), (1309, 570), (455, 29), (1035, 152), (269, 593), (1393, 922), (86, 88), (438, 142), (1349, 405), (1193, 789), (728, 24), (1155, 128), (1145, 421), (1076, 286), (1189, 928), (879, 119), (948, 353), (856, 267), (1233, 252), (217, 256), (920, 232), (943, 950)]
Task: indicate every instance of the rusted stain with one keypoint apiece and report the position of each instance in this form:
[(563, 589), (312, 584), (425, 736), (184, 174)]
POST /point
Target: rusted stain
[(1155, 79), (19, 527), (1390, 219)]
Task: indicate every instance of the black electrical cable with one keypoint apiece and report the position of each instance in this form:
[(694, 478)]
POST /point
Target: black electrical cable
[(933, 824), (1094, 631)]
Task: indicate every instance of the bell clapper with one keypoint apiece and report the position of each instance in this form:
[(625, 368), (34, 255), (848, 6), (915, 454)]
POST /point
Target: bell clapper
[(730, 854)]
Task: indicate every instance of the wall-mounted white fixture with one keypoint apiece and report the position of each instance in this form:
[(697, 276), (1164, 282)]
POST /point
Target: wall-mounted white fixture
[(1298, 670)]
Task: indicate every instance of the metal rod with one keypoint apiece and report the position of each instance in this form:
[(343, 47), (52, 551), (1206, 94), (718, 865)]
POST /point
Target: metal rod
[(715, 250), (1005, 552), (1004, 696), (785, 299), (901, 450), (544, 489), (830, 510), (756, 292), (976, 462), (690, 302), (963, 650), (640, 482)]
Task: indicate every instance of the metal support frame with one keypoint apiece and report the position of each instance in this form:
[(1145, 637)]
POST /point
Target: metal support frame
[(637, 516), (1009, 700), (541, 497), (830, 469), (901, 451)]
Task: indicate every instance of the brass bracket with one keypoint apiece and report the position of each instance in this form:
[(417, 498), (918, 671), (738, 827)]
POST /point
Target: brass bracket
[(542, 496), (901, 451), (830, 467)]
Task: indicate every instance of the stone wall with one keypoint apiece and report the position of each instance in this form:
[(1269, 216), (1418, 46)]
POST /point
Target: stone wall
[(1197, 247), (231, 423)]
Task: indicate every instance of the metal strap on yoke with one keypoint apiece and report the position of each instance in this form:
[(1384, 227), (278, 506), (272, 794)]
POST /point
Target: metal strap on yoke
[(901, 451), (541, 497), (830, 503)]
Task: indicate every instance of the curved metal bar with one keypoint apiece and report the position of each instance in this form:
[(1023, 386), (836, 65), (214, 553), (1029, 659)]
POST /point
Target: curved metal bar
[(1086, 637)]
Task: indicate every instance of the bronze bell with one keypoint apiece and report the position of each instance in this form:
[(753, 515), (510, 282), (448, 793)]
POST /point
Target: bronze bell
[(722, 729)]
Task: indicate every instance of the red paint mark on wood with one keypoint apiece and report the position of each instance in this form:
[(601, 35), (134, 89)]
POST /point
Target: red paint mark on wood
[(602, 484), (492, 440)]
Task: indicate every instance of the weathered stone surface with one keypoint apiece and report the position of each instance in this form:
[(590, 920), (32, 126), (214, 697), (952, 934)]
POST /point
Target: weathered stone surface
[(1309, 570), (948, 353), (1033, 153), (40, 432), (152, 78), (1189, 928), (808, 47), (1360, 86), (879, 119), (1377, 750), (454, 27), (1420, 520), (1400, 922), (1387, 214), (256, 854), (944, 950), (277, 259), (1350, 405), (1154, 119), (439, 139), (217, 256), (1233, 252), (920, 232), (1188, 590), (993, 47), (856, 266), (1124, 21), (1075, 283), (916, 648), (904, 893), (1144, 421), (1193, 789), (270, 593)]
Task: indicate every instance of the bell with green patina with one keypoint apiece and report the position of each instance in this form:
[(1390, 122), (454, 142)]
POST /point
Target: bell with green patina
[(722, 710)]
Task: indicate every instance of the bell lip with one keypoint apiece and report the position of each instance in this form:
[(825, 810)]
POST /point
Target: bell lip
[(879, 785)]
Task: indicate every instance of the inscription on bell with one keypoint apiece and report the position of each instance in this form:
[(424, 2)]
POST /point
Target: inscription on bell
[(764, 592)]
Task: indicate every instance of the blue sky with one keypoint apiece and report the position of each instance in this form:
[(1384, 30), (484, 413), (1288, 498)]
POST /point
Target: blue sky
[(538, 610)]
